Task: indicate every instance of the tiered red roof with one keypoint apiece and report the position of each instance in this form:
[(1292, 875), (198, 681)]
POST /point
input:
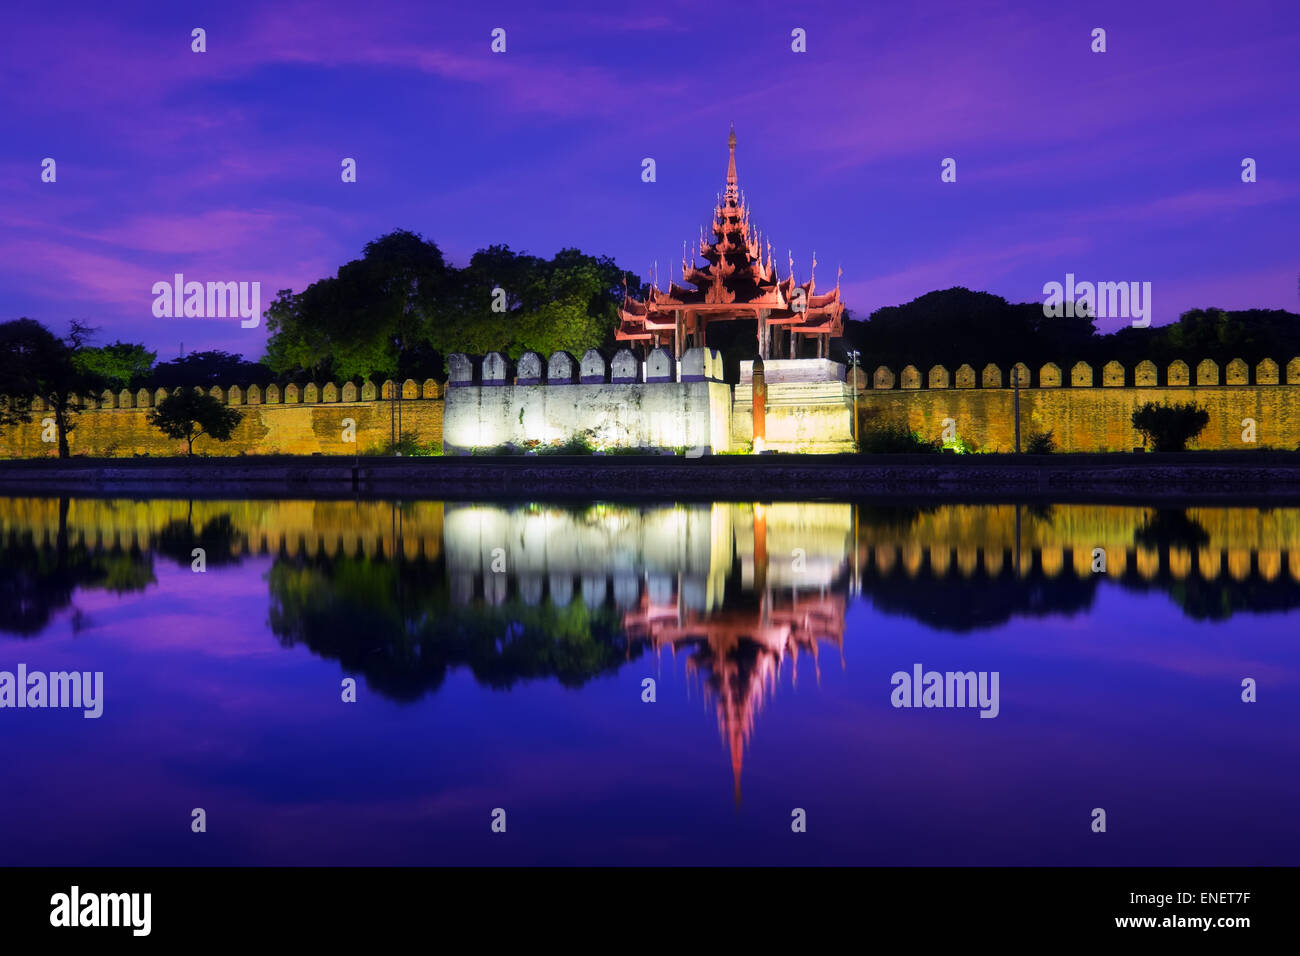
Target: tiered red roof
[(735, 282)]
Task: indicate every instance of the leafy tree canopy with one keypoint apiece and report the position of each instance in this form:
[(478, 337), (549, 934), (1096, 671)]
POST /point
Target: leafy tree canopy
[(398, 310), (121, 365), (957, 326), (36, 362), (213, 367), (369, 319)]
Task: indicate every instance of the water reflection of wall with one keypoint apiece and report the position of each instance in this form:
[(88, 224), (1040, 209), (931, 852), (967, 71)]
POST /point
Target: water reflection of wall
[(970, 535), (683, 552), (596, 551), (692, 539), (258, 527), (740, 589)]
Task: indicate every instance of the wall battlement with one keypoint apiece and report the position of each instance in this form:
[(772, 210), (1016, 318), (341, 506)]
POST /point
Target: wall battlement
[(627, 403), (496, 370), (309, 393)]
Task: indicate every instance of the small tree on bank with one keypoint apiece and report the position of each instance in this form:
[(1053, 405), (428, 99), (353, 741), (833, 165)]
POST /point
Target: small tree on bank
[(188, 414), (1170, 427)]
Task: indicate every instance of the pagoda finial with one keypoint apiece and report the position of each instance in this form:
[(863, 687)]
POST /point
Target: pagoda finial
[(812, 276), (731, 164)]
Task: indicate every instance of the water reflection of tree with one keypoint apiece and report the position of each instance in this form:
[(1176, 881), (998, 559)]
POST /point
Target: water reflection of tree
[(963, 604), (1202, 599), (892, 517), (218, 537), (394, 623), (1220, 598), (1167, 527), (38, 580)]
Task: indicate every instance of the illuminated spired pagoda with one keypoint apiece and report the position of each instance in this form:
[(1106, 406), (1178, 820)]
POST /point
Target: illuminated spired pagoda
[(736, 282)]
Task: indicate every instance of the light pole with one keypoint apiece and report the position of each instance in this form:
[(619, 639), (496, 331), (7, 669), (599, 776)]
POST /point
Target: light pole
[(853, 357), (1015, 401)]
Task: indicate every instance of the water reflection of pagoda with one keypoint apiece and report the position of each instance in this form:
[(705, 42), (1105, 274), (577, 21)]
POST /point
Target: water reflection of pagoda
[(738, 654), (740, 588)]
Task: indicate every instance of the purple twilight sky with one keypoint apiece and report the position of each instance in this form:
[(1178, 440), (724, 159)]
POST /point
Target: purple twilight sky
[(225, 165)]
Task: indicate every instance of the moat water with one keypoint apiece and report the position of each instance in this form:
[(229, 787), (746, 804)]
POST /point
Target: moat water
[(502, 656)]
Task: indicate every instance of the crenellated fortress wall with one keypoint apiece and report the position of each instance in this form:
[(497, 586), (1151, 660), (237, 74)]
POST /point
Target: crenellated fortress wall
[(293, 420), (661, 402), (1082, 413)]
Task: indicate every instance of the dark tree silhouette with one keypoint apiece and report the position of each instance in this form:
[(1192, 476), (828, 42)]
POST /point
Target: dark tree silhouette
[(1170, 427), (35, 363), (188, 414), (213, 367)]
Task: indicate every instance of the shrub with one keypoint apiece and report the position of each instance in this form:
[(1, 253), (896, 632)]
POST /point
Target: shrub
[(893, 439), (408, 446), (1170, 427), (1041, 443), (580, 444)]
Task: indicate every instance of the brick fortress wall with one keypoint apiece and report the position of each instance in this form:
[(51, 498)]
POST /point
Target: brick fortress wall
[(1084, 414), (293, 420)]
